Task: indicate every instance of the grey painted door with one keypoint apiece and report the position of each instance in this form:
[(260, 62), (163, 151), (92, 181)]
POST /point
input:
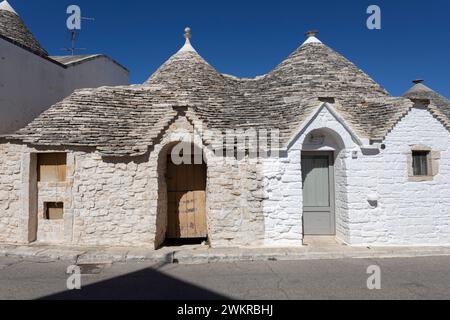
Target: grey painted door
[(318, 193)]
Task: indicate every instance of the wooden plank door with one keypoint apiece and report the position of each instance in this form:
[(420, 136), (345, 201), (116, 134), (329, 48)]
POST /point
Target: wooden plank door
[(186, 191), (318, 194)]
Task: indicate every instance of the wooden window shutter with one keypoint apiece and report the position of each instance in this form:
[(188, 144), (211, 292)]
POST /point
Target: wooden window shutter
[(52, 167)]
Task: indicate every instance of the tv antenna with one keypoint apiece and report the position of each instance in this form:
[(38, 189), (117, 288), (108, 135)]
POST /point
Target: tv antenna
[(74, 26)]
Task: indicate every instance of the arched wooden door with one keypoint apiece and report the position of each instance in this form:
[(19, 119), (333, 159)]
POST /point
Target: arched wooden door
[(186, 192)]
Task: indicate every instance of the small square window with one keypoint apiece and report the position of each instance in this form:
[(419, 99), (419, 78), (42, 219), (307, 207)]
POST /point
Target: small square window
[(53, 211), (421, 163)]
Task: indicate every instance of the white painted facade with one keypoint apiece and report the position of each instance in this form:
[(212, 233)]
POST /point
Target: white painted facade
[(30, 84), (406, 213)]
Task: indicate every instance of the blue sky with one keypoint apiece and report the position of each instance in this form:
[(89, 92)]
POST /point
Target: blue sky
[(249, 38)]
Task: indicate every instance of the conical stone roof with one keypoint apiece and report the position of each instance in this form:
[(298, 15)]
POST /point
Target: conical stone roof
[(317, 70), (439, 103), (13, 28), (126, 121), (187, 77)]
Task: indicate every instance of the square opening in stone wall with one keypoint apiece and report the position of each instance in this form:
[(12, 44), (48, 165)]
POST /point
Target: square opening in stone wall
[(52, 167), (53, 210)]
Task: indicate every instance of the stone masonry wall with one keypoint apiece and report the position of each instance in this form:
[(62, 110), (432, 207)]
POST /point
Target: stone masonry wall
[(120, 202), (234, 197), (234, 202), (10, 192), (117, 202), (111, 201), (51, 231)]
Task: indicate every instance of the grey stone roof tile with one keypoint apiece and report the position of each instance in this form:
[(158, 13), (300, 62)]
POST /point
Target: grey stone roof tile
[(13, 28), (126, 121), (439, 105)]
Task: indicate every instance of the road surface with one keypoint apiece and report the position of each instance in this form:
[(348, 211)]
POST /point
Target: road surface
[(414, 278)]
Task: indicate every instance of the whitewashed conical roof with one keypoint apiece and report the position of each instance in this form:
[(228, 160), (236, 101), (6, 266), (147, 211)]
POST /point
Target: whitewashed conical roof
[(4, 5)]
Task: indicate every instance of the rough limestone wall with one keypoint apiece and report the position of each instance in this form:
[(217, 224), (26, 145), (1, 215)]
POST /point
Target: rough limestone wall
[(234, 202), (408, 213), (123, 201), (233, 195), (10, 192), (111, 201), (52, 231)]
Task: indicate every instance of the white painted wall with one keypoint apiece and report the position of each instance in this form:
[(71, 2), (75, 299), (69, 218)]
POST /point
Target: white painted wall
[(95, 73), (408, 213), (30, 84), (283, 208)]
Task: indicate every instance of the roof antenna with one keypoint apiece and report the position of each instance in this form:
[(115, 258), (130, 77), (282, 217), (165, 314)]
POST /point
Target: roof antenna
[(74, 26)]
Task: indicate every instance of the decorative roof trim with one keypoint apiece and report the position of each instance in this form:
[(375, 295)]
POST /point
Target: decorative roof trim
[(310, 119), (187, 47), (436, 112), (432, 109), (311, 40)]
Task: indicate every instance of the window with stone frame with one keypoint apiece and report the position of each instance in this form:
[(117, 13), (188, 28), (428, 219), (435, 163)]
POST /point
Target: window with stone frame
[(423, 163)]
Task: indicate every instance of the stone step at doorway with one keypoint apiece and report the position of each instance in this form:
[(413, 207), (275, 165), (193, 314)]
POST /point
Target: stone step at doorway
[(322, 241)]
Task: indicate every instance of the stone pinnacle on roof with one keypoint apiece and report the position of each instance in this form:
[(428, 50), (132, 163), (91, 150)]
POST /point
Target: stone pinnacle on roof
[(312, 37), (418, 89), (4, 5), (187, 46), (421, 92)]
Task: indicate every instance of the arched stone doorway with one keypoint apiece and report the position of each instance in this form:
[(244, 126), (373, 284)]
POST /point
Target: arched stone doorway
[(182, 196)]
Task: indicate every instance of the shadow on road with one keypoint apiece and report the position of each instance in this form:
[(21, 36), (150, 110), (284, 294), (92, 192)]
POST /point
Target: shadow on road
[(147, 284)]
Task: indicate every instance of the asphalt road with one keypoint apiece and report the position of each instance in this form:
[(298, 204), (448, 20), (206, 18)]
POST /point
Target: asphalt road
[(415, 278)]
